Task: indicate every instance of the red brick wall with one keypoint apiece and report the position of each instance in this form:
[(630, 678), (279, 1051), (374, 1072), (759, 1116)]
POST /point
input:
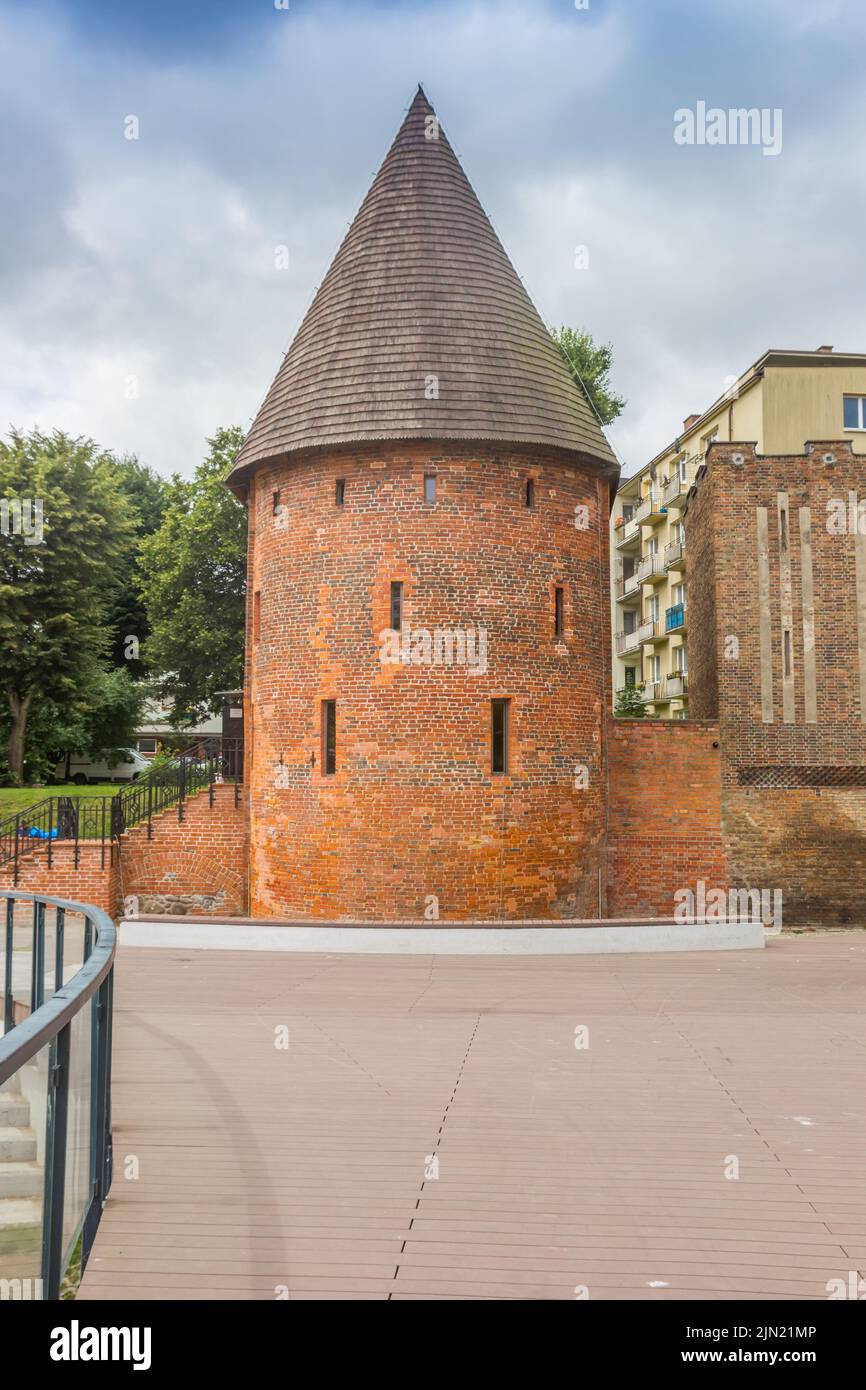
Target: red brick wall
[(413, 810), (89, 883), (664, 813), (809, 842), (197, 865)]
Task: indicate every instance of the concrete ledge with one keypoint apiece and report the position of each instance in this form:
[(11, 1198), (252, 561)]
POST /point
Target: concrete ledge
[(456, 939)]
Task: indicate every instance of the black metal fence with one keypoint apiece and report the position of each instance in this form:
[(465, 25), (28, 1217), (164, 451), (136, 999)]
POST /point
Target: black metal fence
[(55, 1059), (71, 820)]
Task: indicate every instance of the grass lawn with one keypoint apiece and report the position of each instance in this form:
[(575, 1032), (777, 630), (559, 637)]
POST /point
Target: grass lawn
[(14, 799)]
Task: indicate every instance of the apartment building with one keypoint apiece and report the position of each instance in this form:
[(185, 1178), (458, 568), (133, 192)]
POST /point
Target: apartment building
[(781, 402)]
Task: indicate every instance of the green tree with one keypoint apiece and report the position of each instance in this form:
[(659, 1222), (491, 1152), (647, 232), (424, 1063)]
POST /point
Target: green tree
[(590, 365), (147, 495), (57, 582), (193, 584), (629, 703)]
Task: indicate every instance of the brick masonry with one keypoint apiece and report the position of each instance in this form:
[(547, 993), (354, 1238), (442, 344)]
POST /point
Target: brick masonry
[(197, 865), (808, 841), (664, 813), (413, 813)]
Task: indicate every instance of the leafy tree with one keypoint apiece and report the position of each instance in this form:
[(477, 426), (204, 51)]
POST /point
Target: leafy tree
[(147, 494), (629, 703), (55, 591), (193, 583), (590, 364)]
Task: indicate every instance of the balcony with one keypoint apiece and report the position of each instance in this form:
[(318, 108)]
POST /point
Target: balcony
[(630, 641), (677, 686), (650, 568), (675, 618), (627, 535), (626, 586), (651, 692), (675, 555), (674, 492), (650, 509)]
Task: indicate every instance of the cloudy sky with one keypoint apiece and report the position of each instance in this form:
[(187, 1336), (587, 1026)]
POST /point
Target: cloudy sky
[(148, 265)]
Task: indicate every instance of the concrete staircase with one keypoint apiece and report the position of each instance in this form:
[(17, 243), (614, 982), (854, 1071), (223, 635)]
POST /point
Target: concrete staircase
[(20, 1175)]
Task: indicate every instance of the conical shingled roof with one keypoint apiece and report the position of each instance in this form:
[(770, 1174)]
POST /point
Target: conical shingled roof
[(421, 286)]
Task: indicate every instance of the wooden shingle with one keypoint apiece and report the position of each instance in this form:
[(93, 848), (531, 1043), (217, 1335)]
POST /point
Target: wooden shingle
[(421, 289)]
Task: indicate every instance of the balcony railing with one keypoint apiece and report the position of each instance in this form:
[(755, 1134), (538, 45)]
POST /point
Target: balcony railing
[(673, 491), (651, 692), (55, 1070), (649, 506), (627, 584), (649, 567), (677, 685), (627, 641), (675, 617), (627, 532), (674, 553)]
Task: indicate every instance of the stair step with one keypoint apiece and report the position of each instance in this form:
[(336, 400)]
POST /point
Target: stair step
[(20, 1180), (14, 1110), (16, 1145), (20, 1211)]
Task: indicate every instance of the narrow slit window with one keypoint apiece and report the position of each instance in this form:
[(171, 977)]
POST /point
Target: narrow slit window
[(499, 735), (558, 620), (257, 613), (276, 503), (530, 492), (397, 604), (429, 487), (340, 492), (329, 737)]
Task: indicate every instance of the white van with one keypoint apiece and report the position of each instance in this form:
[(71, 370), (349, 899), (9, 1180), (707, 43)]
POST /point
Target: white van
[(83, 770)]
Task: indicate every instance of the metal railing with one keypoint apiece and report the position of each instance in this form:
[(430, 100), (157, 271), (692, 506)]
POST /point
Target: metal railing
[(71, 820), (57, 1059), (210, 762)]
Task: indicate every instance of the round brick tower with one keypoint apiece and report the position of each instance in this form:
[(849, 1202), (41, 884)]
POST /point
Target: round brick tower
[(427, 623)]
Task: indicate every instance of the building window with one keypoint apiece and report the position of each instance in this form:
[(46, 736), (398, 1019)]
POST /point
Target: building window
[(396, 604), (499, 722), (329, 737), (530, 492), (627, 511), (340, 492), (147, 745), (629, 675), (429, 487), (854, 412), (678, 593), (558, 618), (276, 502), (681, 660), (257, 613), (652, 609)]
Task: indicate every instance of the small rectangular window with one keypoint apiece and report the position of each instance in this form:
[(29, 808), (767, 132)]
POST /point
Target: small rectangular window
[(340, 493), (396, 604), (329, 737), (530, 492), (558, 622), (147, 745), (257, 613), (499, 736), (854, 412), (276, 502), (429, 487)]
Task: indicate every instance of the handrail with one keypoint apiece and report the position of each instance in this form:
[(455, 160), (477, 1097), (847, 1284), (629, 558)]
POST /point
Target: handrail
[(50, 1025), (65, 819), (26, 1039)]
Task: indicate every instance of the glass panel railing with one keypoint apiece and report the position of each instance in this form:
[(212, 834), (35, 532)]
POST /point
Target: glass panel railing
[(79, 1180), (22, 1179)]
